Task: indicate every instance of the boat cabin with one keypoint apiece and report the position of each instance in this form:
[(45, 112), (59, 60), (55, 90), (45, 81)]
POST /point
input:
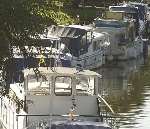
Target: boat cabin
[(57, 91), (131, 13), (78, 38), (86, 46), (55, 97)]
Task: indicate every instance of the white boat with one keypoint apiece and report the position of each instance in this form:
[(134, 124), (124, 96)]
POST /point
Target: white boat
[(57, 97), (124, 41), (131, 12), (86, 46)]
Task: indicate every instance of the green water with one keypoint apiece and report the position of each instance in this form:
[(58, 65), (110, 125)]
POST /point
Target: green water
[(126, 85)]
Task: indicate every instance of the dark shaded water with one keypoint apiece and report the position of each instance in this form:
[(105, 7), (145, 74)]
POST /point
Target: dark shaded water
[(127, 87)]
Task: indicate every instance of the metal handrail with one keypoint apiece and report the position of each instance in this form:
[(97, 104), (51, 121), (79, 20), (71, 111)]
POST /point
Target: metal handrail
[(99, 96), (87, 56), (106, 113)]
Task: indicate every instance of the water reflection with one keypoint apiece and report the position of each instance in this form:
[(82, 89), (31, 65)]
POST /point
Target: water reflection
[(126, 85)]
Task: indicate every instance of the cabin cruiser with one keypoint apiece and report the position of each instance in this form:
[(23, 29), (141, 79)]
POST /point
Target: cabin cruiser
[(129, 13), (137, 11), (86, 46), (143, 17), (55, 97), (124, 40)]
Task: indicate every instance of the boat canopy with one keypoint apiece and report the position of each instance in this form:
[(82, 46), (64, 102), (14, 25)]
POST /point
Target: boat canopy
[(109, 23), (126, 9), (70, 35), (61, 71), (66, 31)]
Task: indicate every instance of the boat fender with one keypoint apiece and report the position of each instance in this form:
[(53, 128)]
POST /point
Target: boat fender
[(72, 114)]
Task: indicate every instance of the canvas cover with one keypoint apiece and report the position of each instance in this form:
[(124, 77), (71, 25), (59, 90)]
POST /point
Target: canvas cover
[(124, 9), (65, 31), (70, 36), (110, 23)]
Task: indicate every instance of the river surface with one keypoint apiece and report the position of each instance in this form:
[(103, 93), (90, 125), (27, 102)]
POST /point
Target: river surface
[(126, 85)]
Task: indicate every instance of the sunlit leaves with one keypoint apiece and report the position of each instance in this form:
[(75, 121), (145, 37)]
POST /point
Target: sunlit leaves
[(21, 19)]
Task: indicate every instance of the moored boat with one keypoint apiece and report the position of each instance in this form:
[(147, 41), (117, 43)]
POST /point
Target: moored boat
[(86, 46), (125, 41), (57, 97)]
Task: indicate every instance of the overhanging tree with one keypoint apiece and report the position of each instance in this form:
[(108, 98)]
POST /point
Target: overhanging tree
[(21, 19)]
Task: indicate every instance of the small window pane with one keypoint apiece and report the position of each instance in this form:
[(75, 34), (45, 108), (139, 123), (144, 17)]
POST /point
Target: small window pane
[(63, 85), (85, 86), (39, 84)]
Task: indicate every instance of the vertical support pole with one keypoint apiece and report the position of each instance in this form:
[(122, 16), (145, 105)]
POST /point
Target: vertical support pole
[(17, 121), (26, 121)]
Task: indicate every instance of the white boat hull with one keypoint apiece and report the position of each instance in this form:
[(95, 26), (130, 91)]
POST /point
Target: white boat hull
[(90, 61)]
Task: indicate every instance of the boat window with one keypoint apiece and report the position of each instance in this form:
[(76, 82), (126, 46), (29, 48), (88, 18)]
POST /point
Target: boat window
[(63, 86), (121, 37), (34, 78), (131, 33), (85, 85), (39, 84), (97, 45), (84, 45)]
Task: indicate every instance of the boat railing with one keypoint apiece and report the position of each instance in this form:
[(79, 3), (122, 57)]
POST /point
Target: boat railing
[(106, 113), (101, 52)]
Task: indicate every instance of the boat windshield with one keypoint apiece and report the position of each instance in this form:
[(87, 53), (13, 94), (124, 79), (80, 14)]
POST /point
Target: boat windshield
[(38, 83), (63, 86), (85, 85)]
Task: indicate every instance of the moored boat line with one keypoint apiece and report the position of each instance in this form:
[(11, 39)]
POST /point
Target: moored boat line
[(55, 97), (39, 94), (117, 35)]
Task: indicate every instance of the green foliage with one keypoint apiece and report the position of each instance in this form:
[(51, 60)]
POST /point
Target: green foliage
[(25, 18), (58, 17), (21, 19)]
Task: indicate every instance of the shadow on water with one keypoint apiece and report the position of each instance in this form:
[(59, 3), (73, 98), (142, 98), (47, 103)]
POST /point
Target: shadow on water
[(126, 86)]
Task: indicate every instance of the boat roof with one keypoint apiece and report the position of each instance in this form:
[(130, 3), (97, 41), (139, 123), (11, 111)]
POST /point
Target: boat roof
[(43, 36), (72, 31), (61, 71), (109, 23), (87, 28), (137, 3), (126, 9)]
